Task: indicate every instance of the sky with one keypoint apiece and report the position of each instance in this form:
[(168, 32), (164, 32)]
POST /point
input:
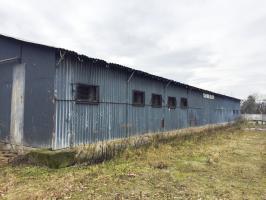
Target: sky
[(218, 45)]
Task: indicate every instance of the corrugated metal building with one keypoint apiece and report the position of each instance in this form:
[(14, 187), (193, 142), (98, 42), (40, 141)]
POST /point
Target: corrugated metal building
[(56, 98)]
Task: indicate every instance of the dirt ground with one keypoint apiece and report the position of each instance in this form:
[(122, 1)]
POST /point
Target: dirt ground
[(228, 165)]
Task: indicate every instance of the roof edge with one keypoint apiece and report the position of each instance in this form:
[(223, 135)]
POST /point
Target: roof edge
[(121, 67)]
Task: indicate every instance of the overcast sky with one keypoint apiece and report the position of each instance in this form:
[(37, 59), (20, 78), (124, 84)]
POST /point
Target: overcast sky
[(219, 45)]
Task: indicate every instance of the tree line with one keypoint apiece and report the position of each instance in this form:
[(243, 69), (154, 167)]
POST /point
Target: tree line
[(252, 106)]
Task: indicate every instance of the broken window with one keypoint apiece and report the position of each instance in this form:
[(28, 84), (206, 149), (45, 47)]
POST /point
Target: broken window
[(87, 93), (171, 102), (138, 98), (183, 102), (156, 100), (208, 96)]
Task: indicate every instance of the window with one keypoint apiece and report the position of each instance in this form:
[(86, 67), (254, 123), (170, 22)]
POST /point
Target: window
[(138, 98), (208, 96), (156, 100), (87, 93), (183, 102), (162, 123), (171, 102)]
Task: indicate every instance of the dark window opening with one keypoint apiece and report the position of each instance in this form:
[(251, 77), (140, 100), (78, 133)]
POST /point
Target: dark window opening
[(171, 102), (183, 102), (138, 98), (162, 123), (87, 93), (156, 100)]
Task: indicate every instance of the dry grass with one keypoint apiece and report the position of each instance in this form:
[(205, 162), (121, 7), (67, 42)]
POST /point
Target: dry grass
[(107, 150), (228, 164)]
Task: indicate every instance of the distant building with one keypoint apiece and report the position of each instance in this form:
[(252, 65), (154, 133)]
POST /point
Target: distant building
[(56, 98)]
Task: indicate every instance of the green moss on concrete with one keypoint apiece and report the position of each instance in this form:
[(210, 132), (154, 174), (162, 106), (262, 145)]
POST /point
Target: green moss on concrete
[(104, 151), (51, 159)]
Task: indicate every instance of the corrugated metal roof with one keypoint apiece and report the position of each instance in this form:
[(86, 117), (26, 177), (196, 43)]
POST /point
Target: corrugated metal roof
[(120, 67)]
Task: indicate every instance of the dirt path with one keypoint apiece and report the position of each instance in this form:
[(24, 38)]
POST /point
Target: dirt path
[(227, 165)]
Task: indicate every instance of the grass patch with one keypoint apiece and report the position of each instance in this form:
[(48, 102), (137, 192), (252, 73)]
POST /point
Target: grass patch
[(228, 164), (106, 150)]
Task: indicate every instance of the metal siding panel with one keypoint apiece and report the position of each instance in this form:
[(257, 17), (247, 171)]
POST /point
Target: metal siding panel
[(113, 118), (175, 118), (39, 95), (89, 123), (9, 48), (17, 104), (145, 119), (78, 124), (6, 71), (195, 99)]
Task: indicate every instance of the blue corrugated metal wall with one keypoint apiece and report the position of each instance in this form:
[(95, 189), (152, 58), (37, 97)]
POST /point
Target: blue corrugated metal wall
[(39, 95), (53, 119), (115, 117), (8, 49), (5, 101), (82, 123), (39, 109)]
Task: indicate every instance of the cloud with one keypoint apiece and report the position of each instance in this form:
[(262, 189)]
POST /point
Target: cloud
[(217, 45)]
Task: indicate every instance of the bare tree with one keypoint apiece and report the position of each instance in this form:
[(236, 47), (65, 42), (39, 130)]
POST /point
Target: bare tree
[(249, 105), (252, 106)]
